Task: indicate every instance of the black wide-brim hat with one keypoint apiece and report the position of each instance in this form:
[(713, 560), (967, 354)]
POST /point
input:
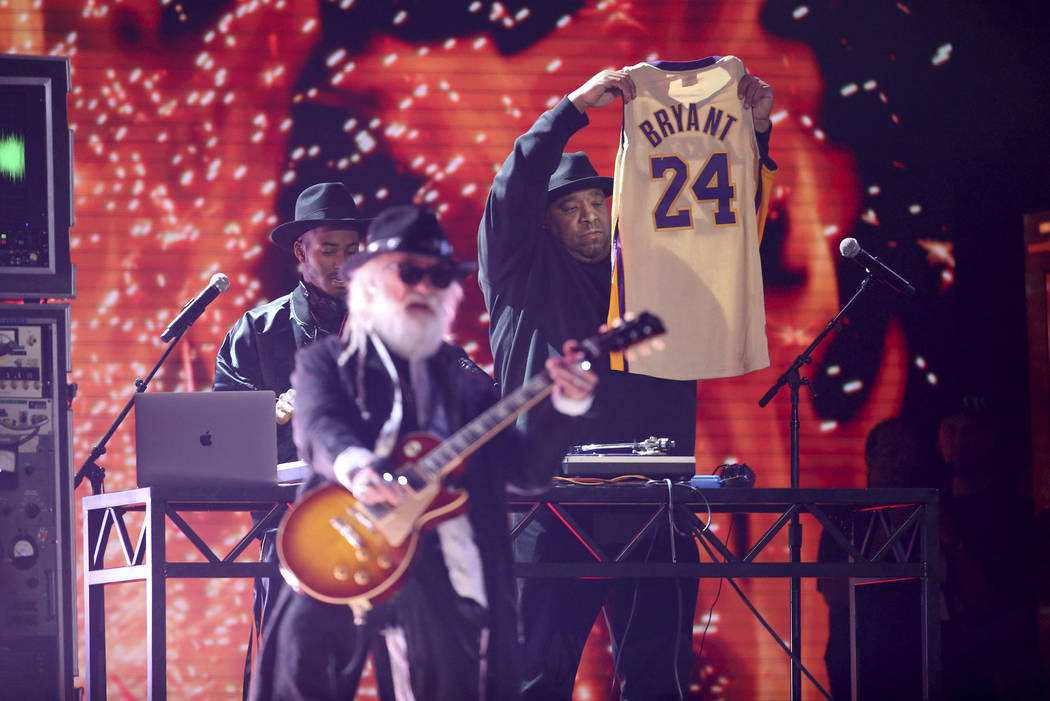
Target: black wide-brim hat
[(407, 229), (575, 172), (318, 205)]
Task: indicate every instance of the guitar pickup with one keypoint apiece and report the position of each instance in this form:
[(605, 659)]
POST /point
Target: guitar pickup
[(346, 531)]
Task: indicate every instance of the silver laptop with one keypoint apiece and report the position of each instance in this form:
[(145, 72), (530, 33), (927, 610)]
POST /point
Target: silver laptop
[(205, 438)]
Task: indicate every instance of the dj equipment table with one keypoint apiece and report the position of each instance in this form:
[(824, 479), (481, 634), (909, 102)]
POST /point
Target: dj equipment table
[(888, 534), (904, 547)]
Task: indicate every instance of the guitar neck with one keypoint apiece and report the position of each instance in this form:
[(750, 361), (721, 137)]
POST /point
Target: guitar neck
[(462, 444), (451, 453)]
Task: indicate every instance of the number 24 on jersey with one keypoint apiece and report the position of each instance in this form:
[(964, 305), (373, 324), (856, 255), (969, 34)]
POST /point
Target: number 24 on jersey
[(712, 184)]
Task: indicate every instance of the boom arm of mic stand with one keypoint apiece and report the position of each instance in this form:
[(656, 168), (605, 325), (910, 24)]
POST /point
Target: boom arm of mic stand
[(92, 470), (791, 377), (804, 357)]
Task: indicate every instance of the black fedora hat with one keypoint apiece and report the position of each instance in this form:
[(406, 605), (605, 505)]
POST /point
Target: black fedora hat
[(575, 172), (406, 229), (317, 205)]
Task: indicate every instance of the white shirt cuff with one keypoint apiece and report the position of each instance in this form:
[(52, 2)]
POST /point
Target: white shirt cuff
[(569, 406), (350, 461)]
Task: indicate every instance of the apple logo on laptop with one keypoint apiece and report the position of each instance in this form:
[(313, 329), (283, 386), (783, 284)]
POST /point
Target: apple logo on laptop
[(206, 439)]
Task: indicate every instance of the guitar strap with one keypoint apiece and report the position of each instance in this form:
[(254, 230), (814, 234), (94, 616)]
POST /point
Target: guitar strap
[(388, 433), (424, 390), (426, 385), (420, 393)]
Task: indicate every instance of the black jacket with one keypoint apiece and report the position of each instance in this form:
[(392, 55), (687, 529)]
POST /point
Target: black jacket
[(329, 418), (259, 353), (538, 296)]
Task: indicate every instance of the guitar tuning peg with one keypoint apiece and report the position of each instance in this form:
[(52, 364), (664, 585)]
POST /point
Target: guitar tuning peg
[(617, 323), (630, 316), (658, 344)]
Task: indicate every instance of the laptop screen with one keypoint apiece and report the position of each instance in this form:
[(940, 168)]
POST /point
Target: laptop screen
[(205, 438)]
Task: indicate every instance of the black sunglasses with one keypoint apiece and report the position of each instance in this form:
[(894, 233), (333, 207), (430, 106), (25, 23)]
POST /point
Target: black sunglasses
[(441, 276)]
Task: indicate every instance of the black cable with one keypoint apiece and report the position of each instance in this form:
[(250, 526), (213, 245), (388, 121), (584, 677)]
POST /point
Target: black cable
[(671, 529), (630, 619), (698, 533), (718, 593), (34, 431), (678, 639), (678, 590), (670, 523)]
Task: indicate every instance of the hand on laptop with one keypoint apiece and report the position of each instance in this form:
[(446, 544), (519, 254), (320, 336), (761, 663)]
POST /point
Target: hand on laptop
[(285, 407)]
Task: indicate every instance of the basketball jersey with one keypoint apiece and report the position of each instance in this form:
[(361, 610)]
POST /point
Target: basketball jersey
[(687, 222)]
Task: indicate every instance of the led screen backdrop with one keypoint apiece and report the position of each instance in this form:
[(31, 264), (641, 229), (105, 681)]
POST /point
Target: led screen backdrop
[(198, 122)]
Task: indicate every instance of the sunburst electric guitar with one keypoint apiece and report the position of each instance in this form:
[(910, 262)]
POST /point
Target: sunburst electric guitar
[(340, 550)]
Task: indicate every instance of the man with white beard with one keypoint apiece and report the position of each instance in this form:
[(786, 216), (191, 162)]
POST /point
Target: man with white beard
[(451, 629)]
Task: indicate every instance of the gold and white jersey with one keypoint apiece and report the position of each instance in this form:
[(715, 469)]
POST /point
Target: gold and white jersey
[(687, 220)]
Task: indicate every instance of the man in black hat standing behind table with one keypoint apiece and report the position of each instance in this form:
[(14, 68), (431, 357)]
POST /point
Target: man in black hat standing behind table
[(451, 627), (258, 353), (544, 252)]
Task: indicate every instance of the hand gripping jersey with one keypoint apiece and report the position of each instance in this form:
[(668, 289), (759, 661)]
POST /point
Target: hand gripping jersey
[(687, 220)]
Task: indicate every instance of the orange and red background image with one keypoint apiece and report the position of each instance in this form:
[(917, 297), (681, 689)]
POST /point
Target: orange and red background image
[(197, 123)]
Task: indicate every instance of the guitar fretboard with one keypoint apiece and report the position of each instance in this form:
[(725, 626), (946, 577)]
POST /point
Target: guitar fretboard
[(477, 432), (454, 450)]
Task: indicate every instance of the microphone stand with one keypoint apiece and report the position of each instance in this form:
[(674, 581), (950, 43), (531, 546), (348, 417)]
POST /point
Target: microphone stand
[(792, 378), (91, 469)]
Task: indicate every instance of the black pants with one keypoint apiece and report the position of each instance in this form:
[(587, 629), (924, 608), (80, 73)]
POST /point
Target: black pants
[(313, 651), (650, 621), (265, 592)]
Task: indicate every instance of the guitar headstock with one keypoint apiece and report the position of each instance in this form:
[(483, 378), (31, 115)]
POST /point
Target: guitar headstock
[(640, 328)]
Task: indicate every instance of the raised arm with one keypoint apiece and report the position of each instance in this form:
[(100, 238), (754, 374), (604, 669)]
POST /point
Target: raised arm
[(757, 96), (601, 89), (517, 201)]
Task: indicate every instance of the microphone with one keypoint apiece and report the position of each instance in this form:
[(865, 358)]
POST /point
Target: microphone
[(218, 284), (849, 248)]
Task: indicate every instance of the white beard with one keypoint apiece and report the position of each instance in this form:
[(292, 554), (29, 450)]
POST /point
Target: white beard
[(413, 335)]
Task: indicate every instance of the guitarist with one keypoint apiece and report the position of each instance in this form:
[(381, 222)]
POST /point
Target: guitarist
[(451, 628)]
